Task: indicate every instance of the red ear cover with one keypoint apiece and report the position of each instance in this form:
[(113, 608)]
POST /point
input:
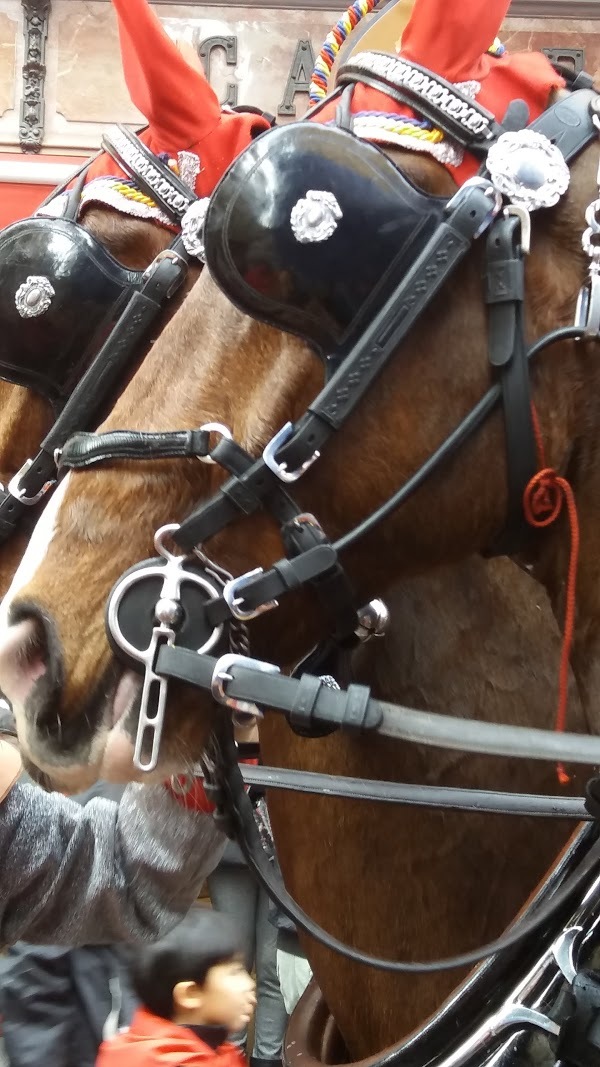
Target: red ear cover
[(177, 101)]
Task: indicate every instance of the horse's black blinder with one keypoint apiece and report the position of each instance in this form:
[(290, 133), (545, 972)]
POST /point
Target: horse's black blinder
[(308, 230), (61, 294)]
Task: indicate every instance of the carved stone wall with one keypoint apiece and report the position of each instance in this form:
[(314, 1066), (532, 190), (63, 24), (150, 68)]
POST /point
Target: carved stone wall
[(255, 54)]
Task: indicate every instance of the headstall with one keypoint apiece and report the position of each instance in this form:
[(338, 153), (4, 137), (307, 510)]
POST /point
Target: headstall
[(49, 311)]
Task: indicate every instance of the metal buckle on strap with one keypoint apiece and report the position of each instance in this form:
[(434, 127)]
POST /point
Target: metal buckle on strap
[(587, 314), (280, 469), (221, 676), (495, 197), (14, 486), (218, 428), (167, 253), (231, 596)]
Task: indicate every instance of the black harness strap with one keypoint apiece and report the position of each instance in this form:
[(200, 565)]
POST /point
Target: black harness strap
[(84, 450), (98, 384), (356, 708), (447, 798), (504, 295), (236, 815), (155, 179), (463, 119)]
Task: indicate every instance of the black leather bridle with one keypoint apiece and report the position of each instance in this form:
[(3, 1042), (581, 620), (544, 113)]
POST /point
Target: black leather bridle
[(239, 682)]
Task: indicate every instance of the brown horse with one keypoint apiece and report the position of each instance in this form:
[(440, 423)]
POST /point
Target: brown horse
[(57, 666)]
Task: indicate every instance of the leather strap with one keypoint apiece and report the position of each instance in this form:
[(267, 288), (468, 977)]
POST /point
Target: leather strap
[(10, 768), (504, 296), (355, 707), (155, 179), (447, 798), (463, 119), (87, 401), (84, 450), (416, 290), (235, 814), (568, 123)]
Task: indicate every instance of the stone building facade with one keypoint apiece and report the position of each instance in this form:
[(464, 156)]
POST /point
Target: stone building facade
[(61, 81)]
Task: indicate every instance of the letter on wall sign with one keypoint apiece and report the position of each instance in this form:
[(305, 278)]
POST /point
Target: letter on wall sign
[(299, 77), (205, 49)]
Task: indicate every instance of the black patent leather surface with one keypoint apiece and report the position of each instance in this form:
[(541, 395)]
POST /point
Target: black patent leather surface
[(51, 352), (328, 291)]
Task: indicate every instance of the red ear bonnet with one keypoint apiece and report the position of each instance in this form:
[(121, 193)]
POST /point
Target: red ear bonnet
[(185, 122), (452, 39)]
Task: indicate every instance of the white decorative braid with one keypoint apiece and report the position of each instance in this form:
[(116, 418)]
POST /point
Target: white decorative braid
[(105, 191), (379, 129)]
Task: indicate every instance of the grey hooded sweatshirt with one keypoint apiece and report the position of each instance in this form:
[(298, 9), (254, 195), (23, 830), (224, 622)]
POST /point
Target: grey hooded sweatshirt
[(105, 872)]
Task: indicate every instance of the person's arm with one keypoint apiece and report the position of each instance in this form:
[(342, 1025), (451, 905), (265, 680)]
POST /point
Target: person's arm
[(105, 872)]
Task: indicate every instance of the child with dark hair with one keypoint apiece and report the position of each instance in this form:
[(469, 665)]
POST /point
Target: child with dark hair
[(194, 991)]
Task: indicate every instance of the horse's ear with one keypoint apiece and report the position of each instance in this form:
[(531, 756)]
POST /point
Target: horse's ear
[(172, 93), (452, 38), (190, 55)]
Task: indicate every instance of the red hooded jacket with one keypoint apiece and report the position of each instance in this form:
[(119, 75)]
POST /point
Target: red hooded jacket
[(154, 1042)]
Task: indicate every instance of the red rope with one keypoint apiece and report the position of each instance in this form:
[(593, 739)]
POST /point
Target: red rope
[(542, 502)]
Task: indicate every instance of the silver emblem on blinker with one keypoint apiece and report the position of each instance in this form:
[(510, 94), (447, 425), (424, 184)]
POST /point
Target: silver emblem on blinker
[(34, 297), (192, 228), (315, 217), (528, 169)]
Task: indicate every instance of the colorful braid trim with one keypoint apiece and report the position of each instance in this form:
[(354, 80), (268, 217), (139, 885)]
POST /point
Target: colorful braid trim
[(319, 83), (333, 42), (399, 125)]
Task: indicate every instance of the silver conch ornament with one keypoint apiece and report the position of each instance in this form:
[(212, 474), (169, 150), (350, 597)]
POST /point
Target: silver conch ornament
[(315, 217), (34, 297), (528, 169), (192, 228)]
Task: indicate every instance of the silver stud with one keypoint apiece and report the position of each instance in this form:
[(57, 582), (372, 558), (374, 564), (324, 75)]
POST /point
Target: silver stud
[(168, 612), (315, 217), (528, 169), (34, 297)]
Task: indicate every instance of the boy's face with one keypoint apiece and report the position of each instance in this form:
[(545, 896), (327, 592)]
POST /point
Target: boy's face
[(226, 998)]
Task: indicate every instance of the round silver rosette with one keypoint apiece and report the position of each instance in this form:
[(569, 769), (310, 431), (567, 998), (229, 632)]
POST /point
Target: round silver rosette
[(315, 216), (34, 297), (192, 228), (528, 169)]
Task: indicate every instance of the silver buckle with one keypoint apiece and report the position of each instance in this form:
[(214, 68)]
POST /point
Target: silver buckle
[(490, 191), (280, 469), (587, 314), (15, 490), (153, 700), (231, 591), (221, 676), (167, 253), (223, 431), (524, 217)]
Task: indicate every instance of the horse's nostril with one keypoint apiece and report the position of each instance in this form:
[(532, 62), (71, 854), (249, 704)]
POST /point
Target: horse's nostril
[(23, 657)]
